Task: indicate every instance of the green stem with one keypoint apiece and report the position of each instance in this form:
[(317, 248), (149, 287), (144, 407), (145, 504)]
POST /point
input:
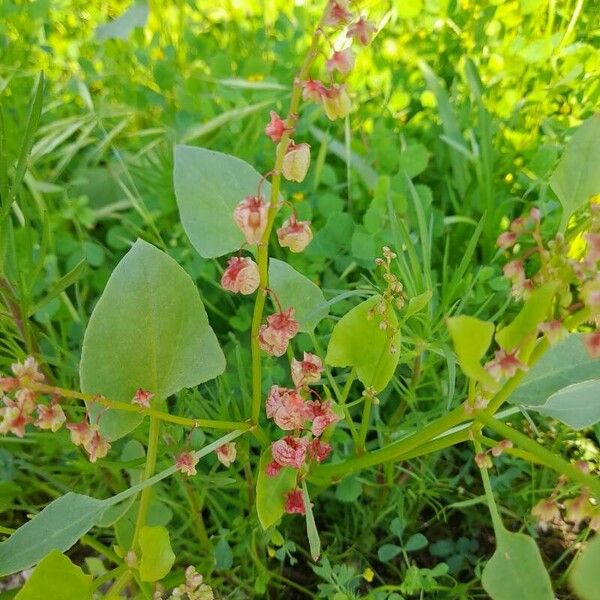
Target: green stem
[(364, 425), (489, 494), (114, 593)]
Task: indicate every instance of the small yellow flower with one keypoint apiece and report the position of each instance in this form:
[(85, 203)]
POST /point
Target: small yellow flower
[(271, 552), (368, 575), (298, 196), (509, 178)]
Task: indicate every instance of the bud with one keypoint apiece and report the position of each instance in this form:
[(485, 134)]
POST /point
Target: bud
[(341, 60), (276, 127), (362, 31), (226, 454), (295, 235), (241, 276), (591, 341), (294, 503), (483, 460), (142, 398), (501, 447), (306, 371), (506, 240), (314, 90), (251, 217), (50, 417), (290, 451), (296, 162), (514, 270), (275, 335), (336, 102), (287, 408), (186, 463), (337, 13)]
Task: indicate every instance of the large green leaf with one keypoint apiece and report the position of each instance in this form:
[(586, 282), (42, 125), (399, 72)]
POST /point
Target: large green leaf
[(576, 405), (577, 176), (57, 578), (553, 373), (157, 556), (149, 330), (208, 186), (271, 491), (358, 341), (585, 575), (120, 28), (296, 290), (516, 570)]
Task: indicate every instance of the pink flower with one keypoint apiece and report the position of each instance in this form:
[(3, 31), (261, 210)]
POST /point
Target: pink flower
[(251, 217), (186, 463), (227, 453), (8, 384), (50, 416), (241, 276), (276, 127), (314, 90), (294, 503), (336, 102), (322, 417), (506, 240), (483, 460), (295, 235), (306, 371), (514, 270), (362, 31), (14, 418), (273, 469), (337, 13), (296, 161), (28, 370), (553, 330), (319, 450), (590, 293), (26, 399), (96, 445), (341, 60), (591, 341), (290, 451), (546, 510), (142, 398), (518, 225), (505, 364), (80, 432), (593, 247), (287, 408), (275, 335)]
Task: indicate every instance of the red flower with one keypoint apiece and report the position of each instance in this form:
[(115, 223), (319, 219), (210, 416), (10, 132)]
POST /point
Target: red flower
[(505, 364), (591, 341), (275, 335), (142, 398), (273, 469), (294, 502), (15, 418), (341, 60), (506, 240), (362, 31), (306, 371), (186, 463), (241, 276), (319, 450), (251, 217), (96, 445), (290, 451), (227, 453), (276, 127), (50, 417), (322, 417), (337, 13), (287, 408), (314, 90)]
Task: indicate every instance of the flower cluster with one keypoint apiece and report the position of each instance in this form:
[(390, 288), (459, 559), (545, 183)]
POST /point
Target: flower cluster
[(194, 588), (186, 461), (484, 459)]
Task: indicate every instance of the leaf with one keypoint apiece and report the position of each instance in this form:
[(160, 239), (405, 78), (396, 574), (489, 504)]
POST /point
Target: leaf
[(57, 578), (577, 405), (223, 555), (577, 177), (417, 303), (271, 491), (416, 542), (471, 338), (57, 527), (516, 570), (157, 557), (414, 159), (349, 489), (135, 16), (348, 348), (584, 574), (534, 311), (387, 552), (294, 289), (553, 373), (314, 543), (208, 187), (150, 330)]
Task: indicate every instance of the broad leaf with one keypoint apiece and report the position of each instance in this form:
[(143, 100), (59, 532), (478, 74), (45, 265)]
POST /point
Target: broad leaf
[(417, 303), (208, 186), (471, 338), (576, 405), (359, 341), (271, 491), (516, 570), (553, 373), (577, 177), (57, 578), (585, 573), (296, 290), (149, 330), (135, 16), (157, 556)]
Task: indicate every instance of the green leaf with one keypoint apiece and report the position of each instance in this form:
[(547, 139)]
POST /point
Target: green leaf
[(135, 16), (157, 557), (534, 311), (150, 330), (347, 348), (271, 491), (296, 290), (516, 570), (577, 177), (57, 527), (57, 578), (553, 373), (416, 542), (584, 574), (314, 543), (387, 552), (349, 489), (416, 304), (223, 555), (471, 337), (208, 186), (414, 159), (577, 405)]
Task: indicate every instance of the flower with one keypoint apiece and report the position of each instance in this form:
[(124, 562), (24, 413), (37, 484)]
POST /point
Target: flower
[(96, 445), (241, 276), (276, 127), (514, 270), (314, 90), (273, 469), (227, 453), (80, 432), (287, 408), (296, 161), (8, 384), (28, 370), (322, 417), (506, 240), (362, 31), (290, 451), (26, 400), (500, 447), (505, 364), (546, 510), (483, 460), (593, 247), (590, 293), (341, 60), (275, 335), (319, 450), (294, 502), (306, 371), (553, 330), (295, 235), (50, 416), (591, 341), (578, 509), (337, 13), (142, 398), (14, 418), (251, 217), (336, 102), (186, 463)]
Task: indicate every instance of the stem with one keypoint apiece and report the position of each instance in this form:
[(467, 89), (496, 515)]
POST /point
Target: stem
[(364, 425), (489, 494), (114, 593)]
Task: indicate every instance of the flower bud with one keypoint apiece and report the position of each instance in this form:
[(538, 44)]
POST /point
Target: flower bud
[(251, 217), (506, 240), (295, 235), (241, 276), (276, 127), (186, 463), (362, 31), (227, 453), (336, 102), (296, 162), (341, 60)]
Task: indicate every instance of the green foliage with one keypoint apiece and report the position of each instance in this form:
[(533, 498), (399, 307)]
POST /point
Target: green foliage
[(157, 556), (584, 575), (577, 405)]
